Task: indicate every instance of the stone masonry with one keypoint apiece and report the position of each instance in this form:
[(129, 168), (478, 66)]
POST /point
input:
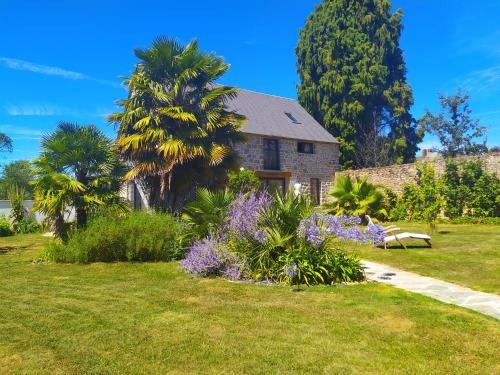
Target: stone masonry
[(396, 176), (298, 167)]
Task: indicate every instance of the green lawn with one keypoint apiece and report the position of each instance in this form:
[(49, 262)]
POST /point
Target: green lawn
[(151, 318), (468, 255)]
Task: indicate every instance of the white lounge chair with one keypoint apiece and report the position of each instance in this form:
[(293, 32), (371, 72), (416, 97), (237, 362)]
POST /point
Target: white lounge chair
[(400, 236)]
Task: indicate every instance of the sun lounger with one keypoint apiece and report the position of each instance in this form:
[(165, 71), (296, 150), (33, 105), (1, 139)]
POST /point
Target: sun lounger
[(400, 236)]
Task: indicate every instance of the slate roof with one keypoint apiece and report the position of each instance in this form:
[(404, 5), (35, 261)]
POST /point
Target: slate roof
[(266, 115)]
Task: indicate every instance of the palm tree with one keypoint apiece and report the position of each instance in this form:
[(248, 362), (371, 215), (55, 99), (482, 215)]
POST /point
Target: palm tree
[(54, 195), (77, 168), (357, 197), (174, 127)]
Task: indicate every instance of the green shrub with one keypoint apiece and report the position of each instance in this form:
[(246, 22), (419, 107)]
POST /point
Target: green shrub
[(243, 181), (136, 236), (423, 199), (473, 220), (28, 225), (5, 228), (470, 190)]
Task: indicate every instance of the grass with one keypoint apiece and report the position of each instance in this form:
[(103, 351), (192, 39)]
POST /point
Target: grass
[(468, 255), (149, 318)]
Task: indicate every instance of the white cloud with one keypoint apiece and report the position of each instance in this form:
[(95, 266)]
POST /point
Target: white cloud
[(17, 132), (53, 110), (27, 66), (481, 80), (34, 110)]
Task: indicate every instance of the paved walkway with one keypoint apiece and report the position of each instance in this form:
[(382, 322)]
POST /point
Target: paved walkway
[(484, 303)]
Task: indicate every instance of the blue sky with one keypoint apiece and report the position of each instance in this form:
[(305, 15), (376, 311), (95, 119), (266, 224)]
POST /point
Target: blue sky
[(60, 60)]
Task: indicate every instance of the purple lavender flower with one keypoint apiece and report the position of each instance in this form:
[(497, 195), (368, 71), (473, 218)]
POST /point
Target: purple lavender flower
[(291, 270), (203, 257), (232, 272), (209, 258), (245, 212), (261, 235)]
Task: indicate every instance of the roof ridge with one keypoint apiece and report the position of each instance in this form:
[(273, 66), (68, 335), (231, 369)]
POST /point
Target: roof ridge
[(263, 93)]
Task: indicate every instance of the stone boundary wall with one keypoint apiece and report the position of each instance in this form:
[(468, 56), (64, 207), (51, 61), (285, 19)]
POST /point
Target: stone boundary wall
[(396, 176)]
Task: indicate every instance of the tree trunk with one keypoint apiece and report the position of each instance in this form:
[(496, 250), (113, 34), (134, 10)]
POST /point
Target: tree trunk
[(81, 217), (80, 211), (60, 230)]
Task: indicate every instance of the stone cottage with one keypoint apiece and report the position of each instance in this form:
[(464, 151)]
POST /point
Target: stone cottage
[(286, 147)]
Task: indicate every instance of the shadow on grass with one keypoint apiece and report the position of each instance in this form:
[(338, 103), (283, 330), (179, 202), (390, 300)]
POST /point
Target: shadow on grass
[(7, 249), (408, 247)]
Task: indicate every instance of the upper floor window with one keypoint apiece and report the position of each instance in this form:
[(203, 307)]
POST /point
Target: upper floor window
[(271, 154), (305, 147)]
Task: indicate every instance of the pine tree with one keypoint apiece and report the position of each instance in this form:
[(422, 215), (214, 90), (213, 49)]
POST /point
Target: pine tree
[(353, 80)]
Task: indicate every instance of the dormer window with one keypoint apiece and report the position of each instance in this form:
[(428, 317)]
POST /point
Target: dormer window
[(292, 117)]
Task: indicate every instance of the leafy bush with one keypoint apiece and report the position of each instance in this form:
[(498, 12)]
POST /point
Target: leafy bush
[(243, 181), (470, 190), (28, 225), (474, 220), (357, 197), (137, 236), (207, 212), (5, 228), (423, 199)]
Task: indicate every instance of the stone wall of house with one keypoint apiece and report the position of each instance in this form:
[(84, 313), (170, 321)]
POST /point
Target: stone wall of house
[(396, 176), (302, 167)]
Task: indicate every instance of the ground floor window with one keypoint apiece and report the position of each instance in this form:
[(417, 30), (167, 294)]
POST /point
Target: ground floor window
[(315, 191), (274, 185)]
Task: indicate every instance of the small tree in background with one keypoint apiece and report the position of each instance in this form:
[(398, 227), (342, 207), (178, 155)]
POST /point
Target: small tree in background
[(243, 181), (17, 211), (5, 142), (18, 173), (458, 132), (423, 199)]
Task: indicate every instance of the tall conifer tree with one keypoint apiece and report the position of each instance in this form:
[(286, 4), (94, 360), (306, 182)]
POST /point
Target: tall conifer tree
[(353, 81)]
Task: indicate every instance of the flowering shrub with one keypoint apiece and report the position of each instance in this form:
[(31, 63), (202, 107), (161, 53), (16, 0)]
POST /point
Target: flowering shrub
[(280, 238), (209, 257), (245, 212)]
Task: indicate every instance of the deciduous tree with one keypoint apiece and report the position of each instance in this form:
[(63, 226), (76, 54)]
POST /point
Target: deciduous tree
[(458, 132)]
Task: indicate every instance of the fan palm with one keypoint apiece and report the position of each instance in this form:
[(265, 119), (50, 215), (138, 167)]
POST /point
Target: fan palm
[(208, 211), (174, 126), (77, 168), (357, 197)]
